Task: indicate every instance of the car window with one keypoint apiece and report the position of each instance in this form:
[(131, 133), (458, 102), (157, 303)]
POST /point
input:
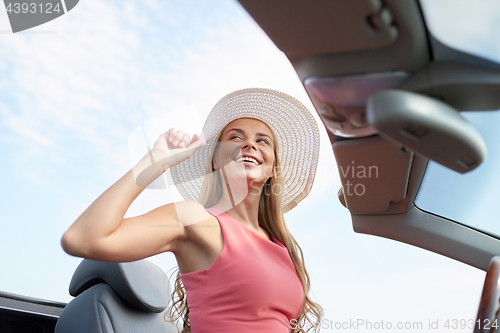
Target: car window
[(470, 26), (470, 198), (75, 89)]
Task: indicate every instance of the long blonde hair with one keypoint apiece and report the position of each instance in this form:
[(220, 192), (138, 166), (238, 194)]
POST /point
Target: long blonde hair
[(271, 219)]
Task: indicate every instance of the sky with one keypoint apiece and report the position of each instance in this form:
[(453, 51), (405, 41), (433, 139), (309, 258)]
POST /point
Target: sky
[(75, 93), (448, 193)]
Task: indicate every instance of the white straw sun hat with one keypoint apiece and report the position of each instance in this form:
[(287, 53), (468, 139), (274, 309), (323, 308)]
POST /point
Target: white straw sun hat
[(295, 131)]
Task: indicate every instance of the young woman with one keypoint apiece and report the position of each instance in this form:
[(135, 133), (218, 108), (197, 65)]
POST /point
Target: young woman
[(238, 262)]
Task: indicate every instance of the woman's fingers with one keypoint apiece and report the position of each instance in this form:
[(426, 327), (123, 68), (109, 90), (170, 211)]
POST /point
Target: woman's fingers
[(180, 139), (193, 139), (177, 147), (184, 140), (171, 133), (177, 138)]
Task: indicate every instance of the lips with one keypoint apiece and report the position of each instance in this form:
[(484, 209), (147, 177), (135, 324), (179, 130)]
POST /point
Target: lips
[(259, 162)]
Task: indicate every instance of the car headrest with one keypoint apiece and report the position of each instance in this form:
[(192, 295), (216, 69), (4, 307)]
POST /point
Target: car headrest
[(141, 283)]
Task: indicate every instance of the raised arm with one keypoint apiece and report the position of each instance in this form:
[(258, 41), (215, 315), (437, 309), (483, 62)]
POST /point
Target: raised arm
[(102, 233)]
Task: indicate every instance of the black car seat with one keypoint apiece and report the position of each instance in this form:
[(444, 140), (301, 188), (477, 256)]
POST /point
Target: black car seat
[(117, 298)]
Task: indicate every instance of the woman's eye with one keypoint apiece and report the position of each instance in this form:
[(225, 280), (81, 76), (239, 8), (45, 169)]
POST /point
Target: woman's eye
[(236, 136)]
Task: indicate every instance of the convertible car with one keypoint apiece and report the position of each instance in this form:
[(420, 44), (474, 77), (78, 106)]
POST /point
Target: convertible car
[(399, 106)]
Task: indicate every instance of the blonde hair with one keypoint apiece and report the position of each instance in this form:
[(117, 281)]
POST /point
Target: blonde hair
[(271, 219)]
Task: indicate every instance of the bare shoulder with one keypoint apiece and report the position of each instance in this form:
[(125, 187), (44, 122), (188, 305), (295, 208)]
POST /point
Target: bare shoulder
[(198, 224), (191, 212)]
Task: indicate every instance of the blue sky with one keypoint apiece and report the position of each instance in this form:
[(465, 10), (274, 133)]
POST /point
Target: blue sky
[(470, 198), (74, 90)]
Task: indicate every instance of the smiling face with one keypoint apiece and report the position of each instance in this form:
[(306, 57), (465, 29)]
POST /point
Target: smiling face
[(252, 147)]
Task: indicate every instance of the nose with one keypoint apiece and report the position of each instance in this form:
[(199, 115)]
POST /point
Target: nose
[(249, 144)]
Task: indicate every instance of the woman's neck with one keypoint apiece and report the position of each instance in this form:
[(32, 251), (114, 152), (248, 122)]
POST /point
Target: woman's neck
[(242, 205)]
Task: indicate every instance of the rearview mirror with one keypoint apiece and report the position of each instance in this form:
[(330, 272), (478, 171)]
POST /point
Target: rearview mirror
[(428, 127)]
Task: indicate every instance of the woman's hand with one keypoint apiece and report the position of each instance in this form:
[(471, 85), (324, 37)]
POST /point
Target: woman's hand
[(174, 147)]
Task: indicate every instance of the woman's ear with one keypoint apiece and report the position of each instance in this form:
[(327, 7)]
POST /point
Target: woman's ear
[(274, 172), (215, 165)]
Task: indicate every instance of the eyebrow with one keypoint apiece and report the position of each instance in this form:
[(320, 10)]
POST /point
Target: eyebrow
[(243, 132)]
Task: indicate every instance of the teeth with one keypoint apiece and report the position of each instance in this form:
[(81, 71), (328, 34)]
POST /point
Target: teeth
[(247, 159)]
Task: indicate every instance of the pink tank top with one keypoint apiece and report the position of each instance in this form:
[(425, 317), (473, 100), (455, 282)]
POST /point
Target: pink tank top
[(251, 287)]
